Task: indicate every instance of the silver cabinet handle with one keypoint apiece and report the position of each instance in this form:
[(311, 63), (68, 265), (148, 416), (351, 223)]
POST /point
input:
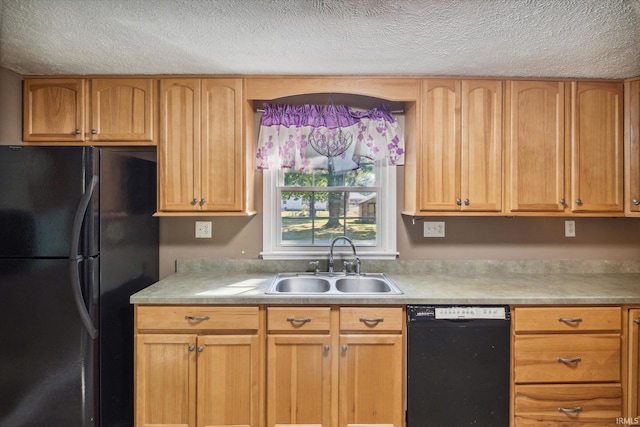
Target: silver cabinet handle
[(197, 318), (326, 347), (563, 201), (636, 321), (200, 349), (192, 347), (301, 320), (571, 410), (203, 201), (466, 202), (344, 347), (570, 319), (194, 201), (374, 320), (635, 202), (77, 131), (458, 202), (93, 131), (578, 202), (569, 360)]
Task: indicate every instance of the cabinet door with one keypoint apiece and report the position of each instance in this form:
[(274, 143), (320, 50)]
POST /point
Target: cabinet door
[(481, 154), (536, 146), (633, 406), (632, 147), (122, 110), (439, 152), (228, 381), (53, 110), (370, 380), (221, 154), (179, 145), (597, 147), (298, 380), (165, 380)]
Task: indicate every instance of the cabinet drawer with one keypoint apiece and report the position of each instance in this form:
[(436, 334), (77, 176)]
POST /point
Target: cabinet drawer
[(537, 358), (371, 319), (298, 319), (197, 318), (598, 404), (566, 319)]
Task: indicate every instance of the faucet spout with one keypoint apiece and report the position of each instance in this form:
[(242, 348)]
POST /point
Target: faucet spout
[(333, 242)]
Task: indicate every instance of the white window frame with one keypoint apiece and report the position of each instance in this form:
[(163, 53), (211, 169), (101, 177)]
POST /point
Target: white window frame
[(385, 232)]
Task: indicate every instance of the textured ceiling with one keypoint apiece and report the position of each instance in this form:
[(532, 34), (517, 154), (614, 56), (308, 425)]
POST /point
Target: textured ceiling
[(533, 38)]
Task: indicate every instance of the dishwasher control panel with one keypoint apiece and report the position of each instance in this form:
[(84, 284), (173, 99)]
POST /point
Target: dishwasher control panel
[(457, 312)]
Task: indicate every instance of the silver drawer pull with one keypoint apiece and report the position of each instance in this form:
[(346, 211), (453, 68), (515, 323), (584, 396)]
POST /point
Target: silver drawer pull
[(302, 320), (636, 321), (570, 319), (569, 360), (197, 318), (375, 320), (571, 410)]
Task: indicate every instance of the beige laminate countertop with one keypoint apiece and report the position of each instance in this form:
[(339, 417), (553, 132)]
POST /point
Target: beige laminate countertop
[(419, 288)]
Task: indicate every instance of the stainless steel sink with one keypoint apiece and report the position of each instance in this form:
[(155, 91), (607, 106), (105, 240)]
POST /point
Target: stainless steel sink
[(332, 284)]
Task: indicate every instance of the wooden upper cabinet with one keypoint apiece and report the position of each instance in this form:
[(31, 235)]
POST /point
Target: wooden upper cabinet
[(53, 110), (481, 188), (201, 153), (460, 157), (597, 147), (222, 152), (536, 171), (439, 160), (122, 110), (179, 145), (632, 148)]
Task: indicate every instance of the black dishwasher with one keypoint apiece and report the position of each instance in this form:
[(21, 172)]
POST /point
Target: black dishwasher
[(458, 366)]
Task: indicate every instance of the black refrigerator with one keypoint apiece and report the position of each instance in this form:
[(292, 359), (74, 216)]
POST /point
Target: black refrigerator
[(77, 238)]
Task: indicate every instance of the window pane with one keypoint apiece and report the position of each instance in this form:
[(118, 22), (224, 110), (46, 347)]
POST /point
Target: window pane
[(363, 177), (316, 217)]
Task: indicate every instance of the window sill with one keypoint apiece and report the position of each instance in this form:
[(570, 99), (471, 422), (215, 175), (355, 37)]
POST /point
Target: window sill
[(338, 254)]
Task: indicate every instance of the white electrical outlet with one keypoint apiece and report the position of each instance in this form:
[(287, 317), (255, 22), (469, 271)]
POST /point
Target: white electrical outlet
[(434, 229), (570, 229), (203, 229)]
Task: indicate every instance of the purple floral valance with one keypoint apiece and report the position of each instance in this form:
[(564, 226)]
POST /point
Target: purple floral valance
[(305, 137)]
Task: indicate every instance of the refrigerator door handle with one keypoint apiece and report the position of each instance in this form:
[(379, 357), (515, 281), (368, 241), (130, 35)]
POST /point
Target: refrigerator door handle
[(74, 258)]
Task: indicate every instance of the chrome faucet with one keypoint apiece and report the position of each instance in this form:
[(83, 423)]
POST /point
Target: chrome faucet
[(353, 247)]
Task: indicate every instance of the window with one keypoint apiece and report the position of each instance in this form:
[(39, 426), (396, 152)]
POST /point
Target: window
[(304, 211)]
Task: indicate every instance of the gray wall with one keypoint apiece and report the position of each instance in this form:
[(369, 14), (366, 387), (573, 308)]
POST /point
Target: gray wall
[(466, 238)]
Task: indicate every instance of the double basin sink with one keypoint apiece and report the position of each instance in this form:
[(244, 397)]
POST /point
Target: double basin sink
[(332, 284)]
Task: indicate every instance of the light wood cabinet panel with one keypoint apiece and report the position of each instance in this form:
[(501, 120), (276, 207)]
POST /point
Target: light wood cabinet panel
[(439, 161), (299, 319), (536, 175), (179, 145), (567, 319), (568, 405), (633, 352), (228, 383), (460, 157), (202, 158), (371, 319), (371, 371), (567, 358), (122, 110), (481, 183), (165, 380), (53, 110), (632, 147), (298, 380), (197, 318), (597, 147)]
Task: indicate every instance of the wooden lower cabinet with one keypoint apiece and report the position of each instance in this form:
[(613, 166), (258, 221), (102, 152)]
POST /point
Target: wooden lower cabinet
[(202, 379), (567, 366), (335, 366)]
